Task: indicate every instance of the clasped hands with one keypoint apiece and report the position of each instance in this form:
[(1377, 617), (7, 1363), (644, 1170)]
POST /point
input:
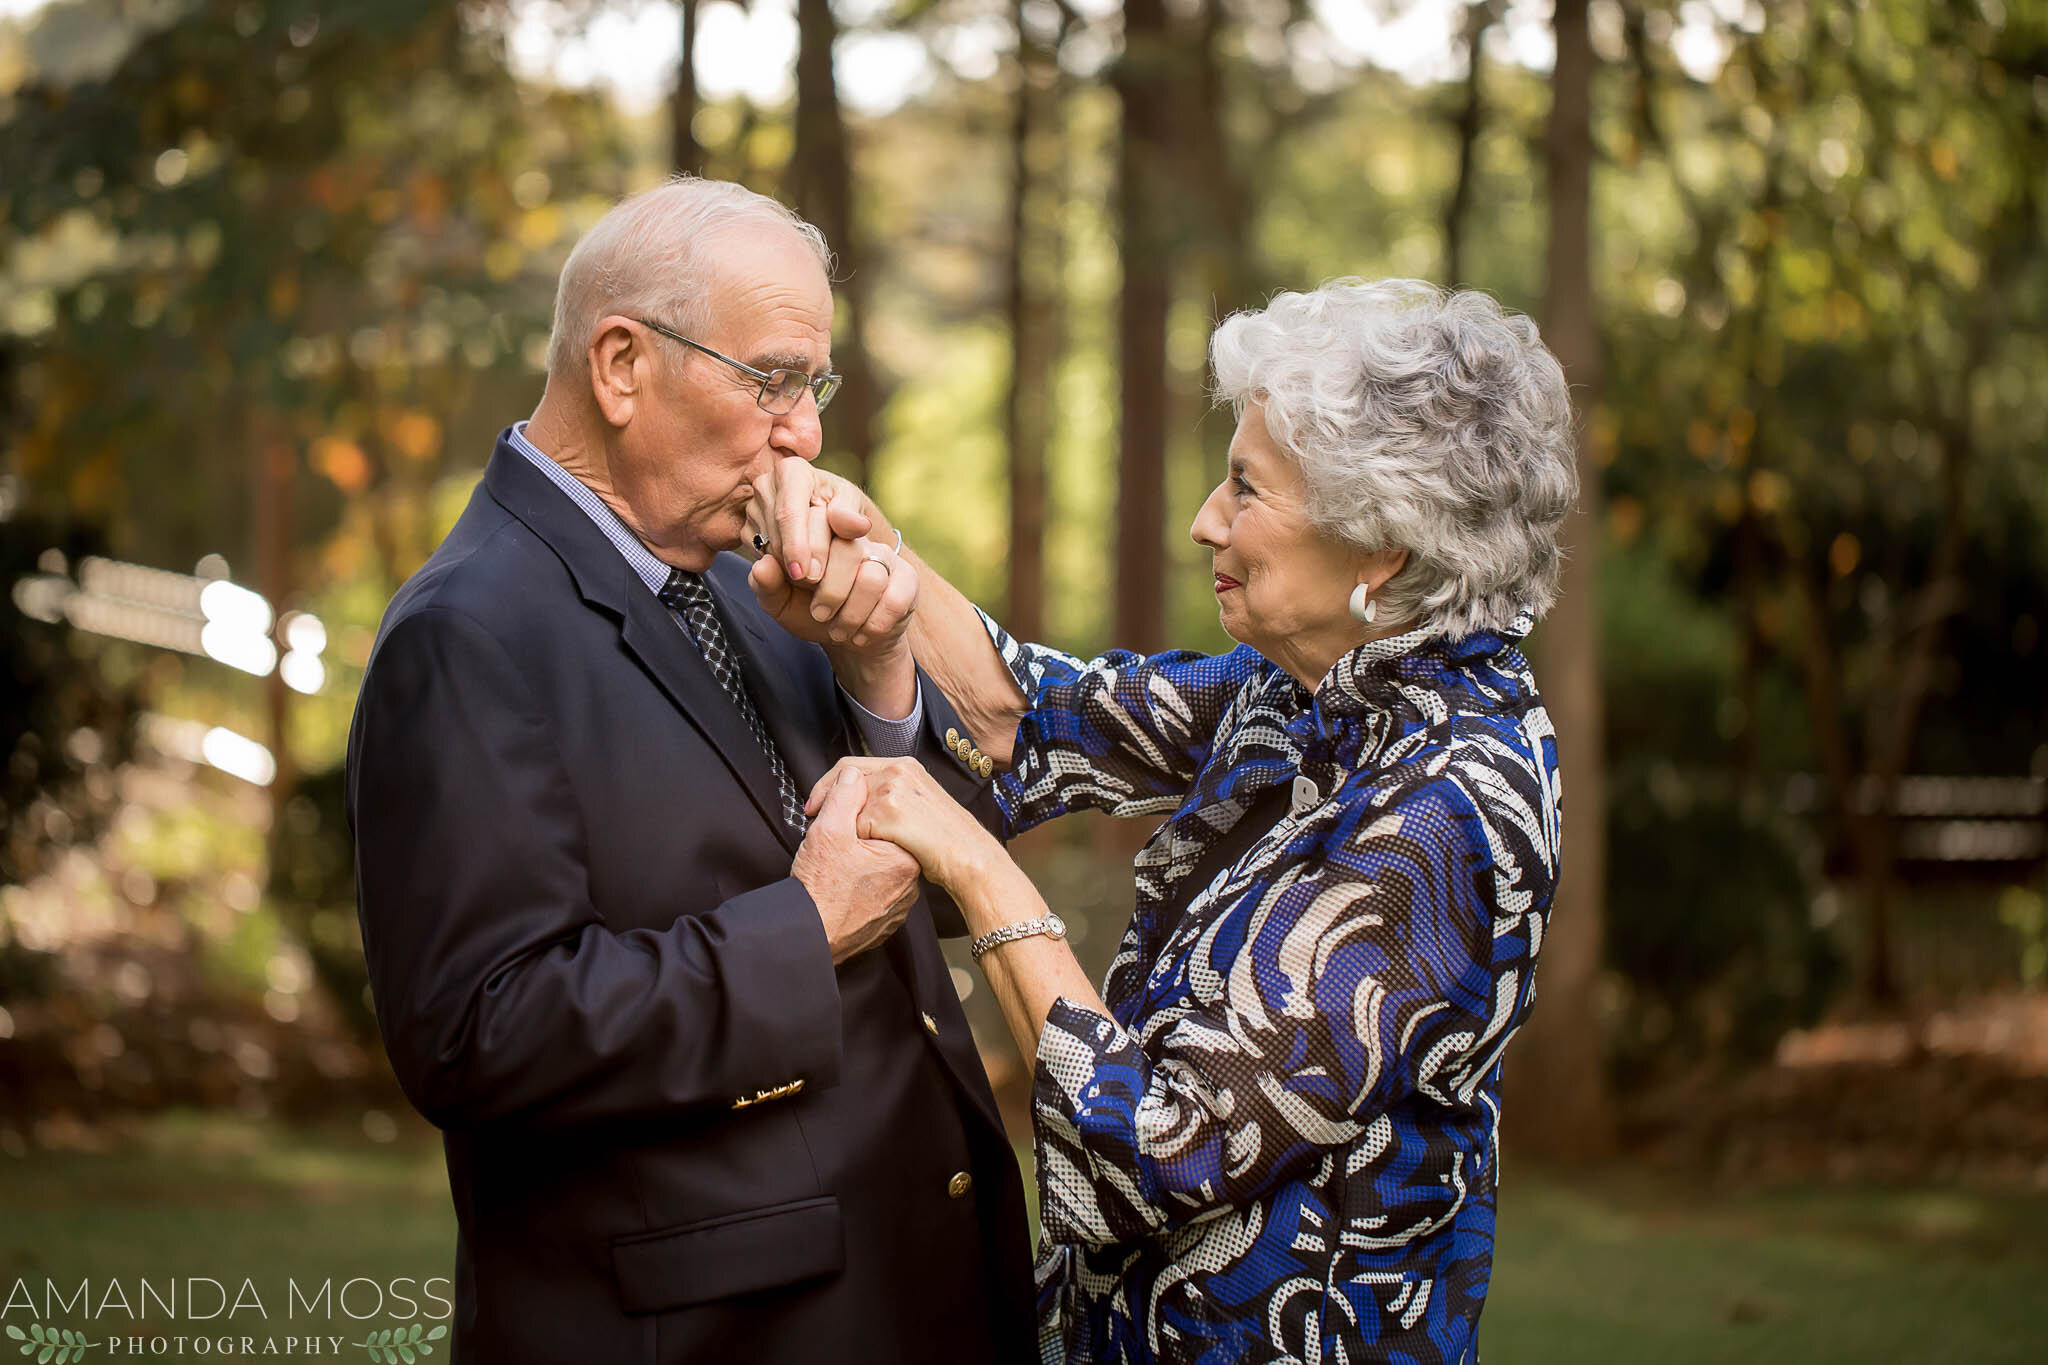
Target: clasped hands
[(830, 574), (829, 571)]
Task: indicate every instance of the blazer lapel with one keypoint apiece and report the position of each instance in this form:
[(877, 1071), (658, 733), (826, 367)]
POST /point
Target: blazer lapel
[(653, 637), (809, 735), (668, 653), (812, 729), (922, 963)]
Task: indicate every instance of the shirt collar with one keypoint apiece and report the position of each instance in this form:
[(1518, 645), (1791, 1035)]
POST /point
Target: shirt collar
[(1369, 677), (646, 567)]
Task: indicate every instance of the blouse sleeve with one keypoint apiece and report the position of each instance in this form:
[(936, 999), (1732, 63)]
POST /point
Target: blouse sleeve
[(1122, 733), (1386, 965)]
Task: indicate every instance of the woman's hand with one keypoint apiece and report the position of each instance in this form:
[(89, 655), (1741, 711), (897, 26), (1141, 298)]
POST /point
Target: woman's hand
[(908, 807), (863, 602), (799, 510)]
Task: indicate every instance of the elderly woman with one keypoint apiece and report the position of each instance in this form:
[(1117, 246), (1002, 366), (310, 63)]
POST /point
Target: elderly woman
[(1274, 1133)]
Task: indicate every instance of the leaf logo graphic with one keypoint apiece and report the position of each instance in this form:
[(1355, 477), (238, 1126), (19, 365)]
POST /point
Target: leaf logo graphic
[(406, 1344), (51, 1344)]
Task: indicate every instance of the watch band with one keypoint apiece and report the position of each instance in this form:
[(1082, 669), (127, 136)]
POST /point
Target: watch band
[(1051, 926)]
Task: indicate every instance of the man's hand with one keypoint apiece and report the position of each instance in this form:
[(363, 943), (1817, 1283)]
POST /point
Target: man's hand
[(865, 637), (904, 804), (824, 579), (863, 887), (864, 601), (803, 507)]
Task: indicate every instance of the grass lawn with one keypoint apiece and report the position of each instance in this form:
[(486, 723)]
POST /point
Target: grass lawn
[(1634, 1267), (1627, 1267), (229, 1199)]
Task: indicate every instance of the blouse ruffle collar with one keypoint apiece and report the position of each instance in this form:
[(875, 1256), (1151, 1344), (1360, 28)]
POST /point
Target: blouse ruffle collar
[(1370, 677)]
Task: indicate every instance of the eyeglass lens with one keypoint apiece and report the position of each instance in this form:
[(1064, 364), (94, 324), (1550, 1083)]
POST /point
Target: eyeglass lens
[(785, 389)]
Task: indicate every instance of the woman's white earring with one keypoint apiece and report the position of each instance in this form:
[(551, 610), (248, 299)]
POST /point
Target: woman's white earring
[(1363, 607)]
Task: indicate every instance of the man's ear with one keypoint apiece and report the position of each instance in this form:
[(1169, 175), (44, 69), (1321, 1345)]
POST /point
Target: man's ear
[(619, 369)]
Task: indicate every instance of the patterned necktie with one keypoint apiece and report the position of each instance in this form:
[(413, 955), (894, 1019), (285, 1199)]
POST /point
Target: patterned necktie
[(685, 595)]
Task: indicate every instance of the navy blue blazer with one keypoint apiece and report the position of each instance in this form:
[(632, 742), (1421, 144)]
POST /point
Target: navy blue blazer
[(675, 1132)]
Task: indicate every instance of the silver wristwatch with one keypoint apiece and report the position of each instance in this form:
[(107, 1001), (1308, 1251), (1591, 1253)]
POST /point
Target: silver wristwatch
[(1052, 926)]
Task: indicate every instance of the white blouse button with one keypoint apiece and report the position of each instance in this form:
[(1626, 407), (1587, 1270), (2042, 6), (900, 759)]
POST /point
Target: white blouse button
[(1305, 794)]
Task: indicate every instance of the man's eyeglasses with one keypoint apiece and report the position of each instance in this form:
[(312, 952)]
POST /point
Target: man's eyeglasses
[(781, 390)]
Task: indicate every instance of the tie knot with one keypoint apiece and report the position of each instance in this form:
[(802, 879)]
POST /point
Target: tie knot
[(680, 590)]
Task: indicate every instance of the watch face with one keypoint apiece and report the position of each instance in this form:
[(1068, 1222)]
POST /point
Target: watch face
[(1056, 926)]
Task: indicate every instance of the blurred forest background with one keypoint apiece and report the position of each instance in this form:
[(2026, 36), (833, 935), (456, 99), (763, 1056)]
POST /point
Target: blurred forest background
[(273, 273)]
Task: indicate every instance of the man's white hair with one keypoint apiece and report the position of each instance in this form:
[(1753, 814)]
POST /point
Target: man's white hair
[(646, 258), (1423, 419)]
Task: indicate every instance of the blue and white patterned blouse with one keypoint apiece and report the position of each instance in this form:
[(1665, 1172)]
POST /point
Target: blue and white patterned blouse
[(1282, 1145)]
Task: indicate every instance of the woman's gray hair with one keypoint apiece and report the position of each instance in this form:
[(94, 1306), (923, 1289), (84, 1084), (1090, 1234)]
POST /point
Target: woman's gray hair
[(1423, 419), (645, 258)]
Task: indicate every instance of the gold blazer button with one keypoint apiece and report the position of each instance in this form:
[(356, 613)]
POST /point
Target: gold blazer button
[(959, 1185)]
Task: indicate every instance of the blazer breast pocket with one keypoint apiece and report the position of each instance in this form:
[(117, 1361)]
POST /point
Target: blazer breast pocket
[(735, 1254)]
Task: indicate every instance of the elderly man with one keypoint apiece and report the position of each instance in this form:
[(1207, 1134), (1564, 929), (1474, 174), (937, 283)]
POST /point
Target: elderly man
[(706, 1088)]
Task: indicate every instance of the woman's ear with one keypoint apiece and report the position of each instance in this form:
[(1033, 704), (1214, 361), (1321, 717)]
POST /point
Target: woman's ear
[(1376, 568)]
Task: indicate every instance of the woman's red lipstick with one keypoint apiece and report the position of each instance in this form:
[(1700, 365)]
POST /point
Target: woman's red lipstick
[(1224, 583)]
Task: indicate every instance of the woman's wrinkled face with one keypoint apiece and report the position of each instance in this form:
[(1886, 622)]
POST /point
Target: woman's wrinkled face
[(1282, 587)]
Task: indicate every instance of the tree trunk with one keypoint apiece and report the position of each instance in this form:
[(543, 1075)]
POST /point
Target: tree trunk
[(1891, 731), (1560, 1102), (685, 152), (1863, 795), (1745, 757), (821, 188), (1226, 249), (271, 493), (1479, 17), (1144, 165), (1034, 306)]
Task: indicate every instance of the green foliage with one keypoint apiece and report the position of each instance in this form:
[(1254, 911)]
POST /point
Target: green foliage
[(332, 229), (65, 726), (1670, 661), (1710, 929), (313, 889), (326, 226), (944, 464), (2025, 912), (1825, 355)]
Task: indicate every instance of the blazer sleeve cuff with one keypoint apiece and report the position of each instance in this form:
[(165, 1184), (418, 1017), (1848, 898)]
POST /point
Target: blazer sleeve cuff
[(783, 983), (954, 757)]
